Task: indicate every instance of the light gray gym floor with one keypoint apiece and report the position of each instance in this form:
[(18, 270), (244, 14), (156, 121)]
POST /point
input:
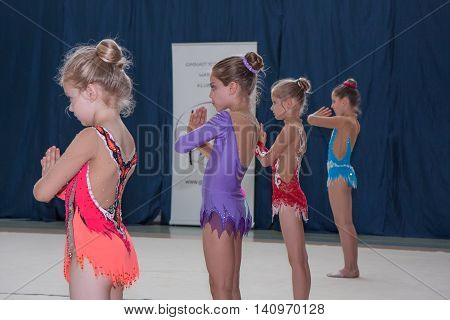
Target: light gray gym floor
[(172, 265)]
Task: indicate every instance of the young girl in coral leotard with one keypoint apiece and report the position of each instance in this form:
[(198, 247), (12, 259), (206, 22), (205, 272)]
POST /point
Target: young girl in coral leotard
[(91, 174)]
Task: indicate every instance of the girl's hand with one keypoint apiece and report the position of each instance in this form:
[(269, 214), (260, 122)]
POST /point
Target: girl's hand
[(323, 112), (49, 159), (197, 119), (262, 135)]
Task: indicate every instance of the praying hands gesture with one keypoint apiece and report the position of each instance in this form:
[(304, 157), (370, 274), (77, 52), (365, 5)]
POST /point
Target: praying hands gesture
[(323, 112), (262, 135), (49, 159), (197, 119)]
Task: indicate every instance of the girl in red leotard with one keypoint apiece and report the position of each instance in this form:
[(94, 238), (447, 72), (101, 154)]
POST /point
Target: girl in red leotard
[(285, 156)]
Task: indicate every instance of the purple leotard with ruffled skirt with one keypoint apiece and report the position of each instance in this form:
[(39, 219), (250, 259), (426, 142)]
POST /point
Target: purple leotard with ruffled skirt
[(223, 203)]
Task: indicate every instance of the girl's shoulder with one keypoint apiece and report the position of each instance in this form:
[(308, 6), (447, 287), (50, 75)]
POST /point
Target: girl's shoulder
[(221, 118), (84, 145), (86, 136), (347, 123)]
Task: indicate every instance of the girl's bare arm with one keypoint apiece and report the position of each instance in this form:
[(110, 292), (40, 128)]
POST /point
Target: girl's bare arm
[(322, 118), (57, 171), (286, 136)]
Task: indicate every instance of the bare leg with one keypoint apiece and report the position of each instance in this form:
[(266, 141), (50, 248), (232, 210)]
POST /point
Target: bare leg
[(219, 258), (294, 238), (340, 196), (237, 267), (116, 293), (84, 285)]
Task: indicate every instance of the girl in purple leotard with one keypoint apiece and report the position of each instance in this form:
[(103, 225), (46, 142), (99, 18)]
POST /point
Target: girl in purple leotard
[(224, 215)]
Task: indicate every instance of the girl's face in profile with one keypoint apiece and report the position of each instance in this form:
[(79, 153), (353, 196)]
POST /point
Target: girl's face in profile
[(219, 94), (278, 109), (80, 104), (339, 105), (336, 104)]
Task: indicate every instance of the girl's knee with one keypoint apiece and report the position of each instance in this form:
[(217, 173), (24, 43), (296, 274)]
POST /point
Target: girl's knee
[(298, 260), (343, 221), (345, 226), (222, 289), (221, 284)]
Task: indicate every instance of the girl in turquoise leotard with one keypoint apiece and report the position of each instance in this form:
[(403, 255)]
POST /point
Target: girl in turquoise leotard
[(341, 175)]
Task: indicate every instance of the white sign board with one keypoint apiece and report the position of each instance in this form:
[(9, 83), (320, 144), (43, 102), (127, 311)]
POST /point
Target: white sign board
[(192, 63)]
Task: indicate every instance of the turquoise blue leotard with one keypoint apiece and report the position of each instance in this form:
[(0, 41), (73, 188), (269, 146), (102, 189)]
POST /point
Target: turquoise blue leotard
[(340, 169)]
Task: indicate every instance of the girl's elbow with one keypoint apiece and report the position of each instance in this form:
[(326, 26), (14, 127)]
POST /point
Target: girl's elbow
[(179, 147), (40, 194)]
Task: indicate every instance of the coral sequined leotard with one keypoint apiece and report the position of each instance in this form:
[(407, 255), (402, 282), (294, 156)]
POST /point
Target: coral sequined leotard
[(95, 233)]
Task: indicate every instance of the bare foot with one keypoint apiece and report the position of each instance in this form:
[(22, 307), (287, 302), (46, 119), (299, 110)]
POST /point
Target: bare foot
[(344, 274)]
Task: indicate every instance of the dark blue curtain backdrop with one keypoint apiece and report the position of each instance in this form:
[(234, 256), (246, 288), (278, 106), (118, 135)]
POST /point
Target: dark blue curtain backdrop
[(402, 156)]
